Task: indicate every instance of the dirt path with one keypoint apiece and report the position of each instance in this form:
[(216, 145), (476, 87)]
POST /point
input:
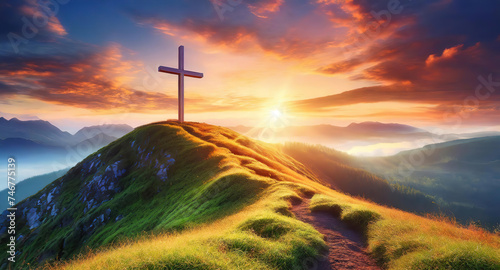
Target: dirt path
[(346, 249)]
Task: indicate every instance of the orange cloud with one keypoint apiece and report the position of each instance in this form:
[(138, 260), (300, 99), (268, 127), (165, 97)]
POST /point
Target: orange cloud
[(56, 27), (34, 10), (260, 9), (447, 53)]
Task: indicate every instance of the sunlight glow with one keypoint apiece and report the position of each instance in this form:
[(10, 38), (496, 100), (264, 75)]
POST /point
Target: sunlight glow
[(276, 113)]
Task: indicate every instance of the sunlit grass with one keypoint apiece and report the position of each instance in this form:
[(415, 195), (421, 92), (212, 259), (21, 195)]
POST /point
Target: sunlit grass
[(255, 238), (400, 240)]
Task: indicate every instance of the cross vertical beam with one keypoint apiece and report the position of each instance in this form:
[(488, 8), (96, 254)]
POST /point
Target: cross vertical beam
[(181, 84), (181, 72)]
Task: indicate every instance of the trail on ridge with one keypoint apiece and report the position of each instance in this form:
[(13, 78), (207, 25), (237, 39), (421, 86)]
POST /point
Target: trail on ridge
[(346, 249)]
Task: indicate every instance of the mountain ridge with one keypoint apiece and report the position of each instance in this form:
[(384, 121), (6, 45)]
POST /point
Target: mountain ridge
[(35, 130), (44, 132), (41, 145)]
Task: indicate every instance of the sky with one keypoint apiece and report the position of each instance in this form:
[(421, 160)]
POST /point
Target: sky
[(83, 62)]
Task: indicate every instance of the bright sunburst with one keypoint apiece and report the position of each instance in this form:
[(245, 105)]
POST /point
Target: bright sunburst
[(276, 113)]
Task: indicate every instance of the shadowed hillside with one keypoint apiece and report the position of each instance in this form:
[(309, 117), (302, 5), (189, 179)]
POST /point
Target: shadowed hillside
[(195, 196), (462, 175), (339, 171)]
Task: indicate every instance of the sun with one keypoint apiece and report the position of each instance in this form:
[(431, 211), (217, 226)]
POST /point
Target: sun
[(276, 113), (277, 118)]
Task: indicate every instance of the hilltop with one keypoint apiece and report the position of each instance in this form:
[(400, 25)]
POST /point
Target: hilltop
[(195, 196)]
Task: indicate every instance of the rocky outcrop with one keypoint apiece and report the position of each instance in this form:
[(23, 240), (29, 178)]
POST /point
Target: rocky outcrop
[(46, 206), (102, 186)]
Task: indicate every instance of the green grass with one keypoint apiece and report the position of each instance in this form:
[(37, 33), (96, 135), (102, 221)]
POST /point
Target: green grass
[(256, 237), (399, 240), (356, 216)]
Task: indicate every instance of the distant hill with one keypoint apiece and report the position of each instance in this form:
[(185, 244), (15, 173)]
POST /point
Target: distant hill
[(459, 136), (339, 171), (377, 128), (476, 150), (31, 186), (115, 131), (463, 175)]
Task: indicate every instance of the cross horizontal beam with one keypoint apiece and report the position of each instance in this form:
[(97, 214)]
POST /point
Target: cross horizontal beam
[(181, 72)]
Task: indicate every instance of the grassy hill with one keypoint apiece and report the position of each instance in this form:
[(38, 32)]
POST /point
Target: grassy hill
[(463, 176), (195, 196)]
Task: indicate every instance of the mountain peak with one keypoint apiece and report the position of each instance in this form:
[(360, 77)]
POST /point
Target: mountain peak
[(35, 130), (113, 130)]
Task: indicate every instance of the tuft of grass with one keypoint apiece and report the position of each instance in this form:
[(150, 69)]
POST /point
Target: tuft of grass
[(356, 216), (360, 219), (267, 226)]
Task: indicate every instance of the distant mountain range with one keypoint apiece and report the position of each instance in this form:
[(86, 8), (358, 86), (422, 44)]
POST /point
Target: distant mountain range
[(41, 147), (473, 151), (354, 131), (357, 131), (38, 131), (355, 134), (44, 133)]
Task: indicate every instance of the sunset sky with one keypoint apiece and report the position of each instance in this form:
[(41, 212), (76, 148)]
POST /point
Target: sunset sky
[(423, 63)]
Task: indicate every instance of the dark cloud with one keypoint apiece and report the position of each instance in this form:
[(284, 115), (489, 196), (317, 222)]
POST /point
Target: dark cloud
[(290, 29), (25, 21), (7, 90)]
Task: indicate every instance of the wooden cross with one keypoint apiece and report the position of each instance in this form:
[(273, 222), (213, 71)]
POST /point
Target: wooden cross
[(181, 73)]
